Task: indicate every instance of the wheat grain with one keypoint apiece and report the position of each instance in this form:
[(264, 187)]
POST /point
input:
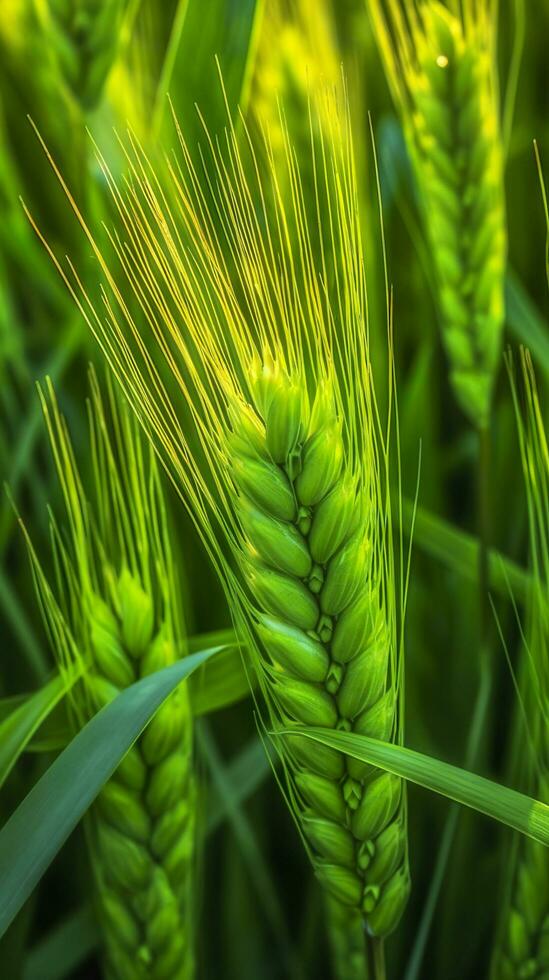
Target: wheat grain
[(319, 669), (120, 610), (441, 67)]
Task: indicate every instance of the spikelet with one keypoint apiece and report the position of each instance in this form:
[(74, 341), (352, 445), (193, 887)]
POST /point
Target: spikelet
[(522, 947), (441, 67), (282, 461), (118, 615)]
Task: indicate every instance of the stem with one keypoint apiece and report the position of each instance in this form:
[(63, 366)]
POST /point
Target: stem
[(483, 518), (378, 959)]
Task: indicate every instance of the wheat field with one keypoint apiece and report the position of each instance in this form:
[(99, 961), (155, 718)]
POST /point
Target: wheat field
[(274, 359)]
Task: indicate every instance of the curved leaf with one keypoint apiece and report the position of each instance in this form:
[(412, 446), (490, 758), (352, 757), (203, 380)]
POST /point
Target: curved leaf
[(49, 813), (522, 813), (18, 727)]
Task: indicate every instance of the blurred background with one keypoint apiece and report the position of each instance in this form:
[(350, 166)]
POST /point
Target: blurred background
[(85, 71)]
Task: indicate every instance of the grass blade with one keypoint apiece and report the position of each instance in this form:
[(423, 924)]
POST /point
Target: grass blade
[(222, 681), (64, 948), (526, 323), (17, 729), (244, 775), (459, 551), (515, 810), (49, 813)]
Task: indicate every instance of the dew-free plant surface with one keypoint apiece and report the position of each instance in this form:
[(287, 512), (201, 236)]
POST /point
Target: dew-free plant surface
[(274, 680)]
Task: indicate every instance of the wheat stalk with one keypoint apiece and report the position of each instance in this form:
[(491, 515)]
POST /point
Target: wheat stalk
[(292, 505), (440, 62), (117, 612), (522, 947)]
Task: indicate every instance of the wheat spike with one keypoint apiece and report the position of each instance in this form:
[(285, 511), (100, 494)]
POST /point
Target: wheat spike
[(522, 947), (310, 564), (282, 461), (440, 64), (117, 612)]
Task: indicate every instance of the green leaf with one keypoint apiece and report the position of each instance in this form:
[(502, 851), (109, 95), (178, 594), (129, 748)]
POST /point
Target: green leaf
[(526, 322), (15, 615), (244, 775), (49, 813), (222, 681), (202, 34), (18, 727), (249, 847), (219, 683), (515, 810), (62, 950), (459, 551)]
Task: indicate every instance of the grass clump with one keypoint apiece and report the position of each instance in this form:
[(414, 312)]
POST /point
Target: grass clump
[(117, 615)]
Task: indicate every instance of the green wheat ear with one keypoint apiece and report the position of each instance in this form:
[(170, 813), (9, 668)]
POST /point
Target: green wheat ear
[(118, 613), (522, 946), (441, 68), (322, 627)]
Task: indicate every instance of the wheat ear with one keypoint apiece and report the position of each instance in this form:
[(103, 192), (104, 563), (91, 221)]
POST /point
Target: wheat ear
[(441, 67), (118, 613), (310, 565)]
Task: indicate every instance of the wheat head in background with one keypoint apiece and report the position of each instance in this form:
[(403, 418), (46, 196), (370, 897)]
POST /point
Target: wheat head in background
[(440, 62), (117, 615)]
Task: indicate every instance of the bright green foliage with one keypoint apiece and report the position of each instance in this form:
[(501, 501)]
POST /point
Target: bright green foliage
[(284, 466), (86, 34), (119, 618), (325, 639), (442, 71), (522, 950)]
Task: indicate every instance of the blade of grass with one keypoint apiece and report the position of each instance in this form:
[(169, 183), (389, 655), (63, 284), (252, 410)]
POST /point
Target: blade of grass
[(222, 681), (41, 824), (251, 853), (22, 630), (516, 810), (244, 776), (17, 729), (459, 551), (64, 948), (437, 878), (525, 321)]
